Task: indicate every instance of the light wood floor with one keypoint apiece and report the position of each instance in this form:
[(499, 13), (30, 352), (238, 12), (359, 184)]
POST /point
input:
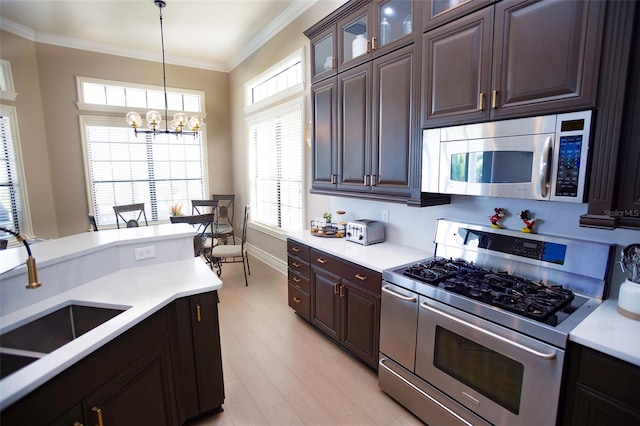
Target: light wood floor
[(278, 370)]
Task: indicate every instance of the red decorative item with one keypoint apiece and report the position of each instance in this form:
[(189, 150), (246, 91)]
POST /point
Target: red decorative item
[(495, 219), (528, 221)]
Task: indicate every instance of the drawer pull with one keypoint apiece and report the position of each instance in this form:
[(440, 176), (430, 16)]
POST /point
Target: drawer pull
[(494, 99), (321, 260), (296, 280), (296, 264), (296, 299), (481, 102), (361, 277), (296, 249), (341, 291), (98, 411), (198, 313)]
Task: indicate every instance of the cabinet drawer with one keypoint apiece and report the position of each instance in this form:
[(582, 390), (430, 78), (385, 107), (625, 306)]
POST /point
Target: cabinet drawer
[(300, 302), (299, 266), (298, 250), (298, 282), (353, 273)]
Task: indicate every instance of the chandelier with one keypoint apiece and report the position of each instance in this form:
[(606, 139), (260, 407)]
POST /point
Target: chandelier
[(180, 120)]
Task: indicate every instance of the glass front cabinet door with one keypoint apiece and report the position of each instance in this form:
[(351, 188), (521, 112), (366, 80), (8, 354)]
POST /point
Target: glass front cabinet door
[(395, 24), (355, 38), (323, 55)]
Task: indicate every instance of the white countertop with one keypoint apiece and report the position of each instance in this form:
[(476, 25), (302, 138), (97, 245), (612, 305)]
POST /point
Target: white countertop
[(142, 291), (377, 257), (609, 332), (61, 249)]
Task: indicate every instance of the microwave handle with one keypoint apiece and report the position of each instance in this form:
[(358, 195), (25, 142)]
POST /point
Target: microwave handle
[(545, 162)]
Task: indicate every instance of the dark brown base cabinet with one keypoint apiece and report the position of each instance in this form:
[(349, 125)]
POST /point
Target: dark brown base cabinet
[(167, 370), (601, 390), (339, 298)]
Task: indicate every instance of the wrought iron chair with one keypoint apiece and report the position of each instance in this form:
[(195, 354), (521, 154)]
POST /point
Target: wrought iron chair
[(223, 226), (92, 222), (202, 222), (234, 253), (133, 220)]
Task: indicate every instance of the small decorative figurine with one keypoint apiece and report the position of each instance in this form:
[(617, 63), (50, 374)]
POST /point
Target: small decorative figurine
[(528, 221), (500, 214)]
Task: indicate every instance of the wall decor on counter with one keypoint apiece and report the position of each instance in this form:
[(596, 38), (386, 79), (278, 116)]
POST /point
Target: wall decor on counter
[(500, 213), (528, 221)]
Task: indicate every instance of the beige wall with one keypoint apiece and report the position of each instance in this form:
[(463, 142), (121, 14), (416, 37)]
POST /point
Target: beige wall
[(279, 47), (46, 75)]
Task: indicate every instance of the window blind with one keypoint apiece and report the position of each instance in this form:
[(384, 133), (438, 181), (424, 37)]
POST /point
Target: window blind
[(157, 170), (275, 141), (10, 200)]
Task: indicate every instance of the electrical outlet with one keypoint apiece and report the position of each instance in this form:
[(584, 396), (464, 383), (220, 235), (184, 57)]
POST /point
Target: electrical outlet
[(145, 252), (385, 216)]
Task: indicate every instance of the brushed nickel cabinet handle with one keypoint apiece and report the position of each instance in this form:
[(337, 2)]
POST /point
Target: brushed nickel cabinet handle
[(333, 178), (372, 180), (361, 277), (494, 99), (364, 180), (296, 280), (321, 260), (373, 43), (98, 411), (481, 102), (341, 291), (296, 265), (335, 288), (296, 249), (296, 299), (368, 46), (198, 314), (333, 62)]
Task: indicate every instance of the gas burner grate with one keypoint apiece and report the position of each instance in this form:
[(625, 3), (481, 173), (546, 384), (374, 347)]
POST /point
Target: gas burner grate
[(535, 300)]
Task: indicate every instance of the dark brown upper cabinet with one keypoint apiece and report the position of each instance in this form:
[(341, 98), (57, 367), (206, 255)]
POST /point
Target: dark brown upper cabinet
[(358, 32), (324, 104), (438, 12), (517, 58)]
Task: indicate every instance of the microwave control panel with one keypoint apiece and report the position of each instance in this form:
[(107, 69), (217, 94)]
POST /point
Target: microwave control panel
[(568, 176)]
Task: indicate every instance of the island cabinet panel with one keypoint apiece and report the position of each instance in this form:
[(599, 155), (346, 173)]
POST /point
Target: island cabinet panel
[(165, 370), (601, 390), (141, 394), (198, 363)]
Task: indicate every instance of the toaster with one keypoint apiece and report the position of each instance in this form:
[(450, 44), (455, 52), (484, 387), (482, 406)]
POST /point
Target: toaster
[(365, 231)]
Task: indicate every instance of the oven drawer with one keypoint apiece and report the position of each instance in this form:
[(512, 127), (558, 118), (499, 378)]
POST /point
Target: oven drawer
[(299, 266), (300, 302), (361, 276), (398, 324), (298, 250), (298, 282), (426, 402)]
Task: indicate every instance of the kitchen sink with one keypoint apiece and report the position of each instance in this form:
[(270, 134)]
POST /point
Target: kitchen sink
[(35, 339)]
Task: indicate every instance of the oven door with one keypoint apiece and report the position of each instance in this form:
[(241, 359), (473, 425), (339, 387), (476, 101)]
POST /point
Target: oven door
[(512, 167), (502, 376)]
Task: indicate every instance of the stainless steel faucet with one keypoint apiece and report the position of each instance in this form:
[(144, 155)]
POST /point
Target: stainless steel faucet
[(32, 272)]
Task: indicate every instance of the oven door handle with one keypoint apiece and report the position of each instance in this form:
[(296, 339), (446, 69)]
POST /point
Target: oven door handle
[(423, 393), (386, 289), (548, 356)]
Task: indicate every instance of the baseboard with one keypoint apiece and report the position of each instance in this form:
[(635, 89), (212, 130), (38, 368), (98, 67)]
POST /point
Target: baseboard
[(271, 260)]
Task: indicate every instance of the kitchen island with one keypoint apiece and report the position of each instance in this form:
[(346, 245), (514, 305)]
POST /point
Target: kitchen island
[(156, 294)]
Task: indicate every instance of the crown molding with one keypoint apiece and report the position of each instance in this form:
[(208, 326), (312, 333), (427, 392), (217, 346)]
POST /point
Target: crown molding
[(297, 8)]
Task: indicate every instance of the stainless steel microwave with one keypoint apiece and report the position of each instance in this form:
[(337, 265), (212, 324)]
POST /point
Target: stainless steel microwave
[(537, 158)]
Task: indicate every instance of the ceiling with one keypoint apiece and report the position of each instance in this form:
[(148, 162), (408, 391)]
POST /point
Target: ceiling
[(209, 34)]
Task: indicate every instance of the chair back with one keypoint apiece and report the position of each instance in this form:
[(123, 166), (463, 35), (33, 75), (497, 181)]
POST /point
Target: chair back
[(131, 220), (202, 222), (225, 208), (4, 244), (92, 222), (203, 206), (244, 225)]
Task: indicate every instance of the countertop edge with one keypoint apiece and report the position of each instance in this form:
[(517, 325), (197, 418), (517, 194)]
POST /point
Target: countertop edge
[(29, 378)]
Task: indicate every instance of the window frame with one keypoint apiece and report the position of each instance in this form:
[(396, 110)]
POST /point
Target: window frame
[(266, 107), (25, 224), (89, 120), (7, 89)]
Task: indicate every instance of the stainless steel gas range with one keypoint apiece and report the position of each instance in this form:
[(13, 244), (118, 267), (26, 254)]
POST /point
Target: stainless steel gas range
[(477, 334)]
